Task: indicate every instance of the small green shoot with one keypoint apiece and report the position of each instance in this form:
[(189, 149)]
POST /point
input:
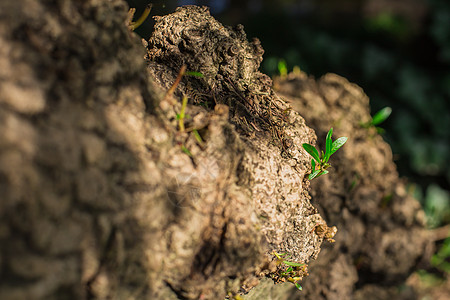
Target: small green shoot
[(193, 73), (378, 118), (186, 150), (282, 68), (289, 271), (198, 138), (381, 115), (321, 162), (181, 115), (440, 260)]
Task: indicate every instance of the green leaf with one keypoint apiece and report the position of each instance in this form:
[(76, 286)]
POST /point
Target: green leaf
[(328, 143), (278, 255), (282, 68), (186, 150), (193, 73), (313, 174), (293, 264), (312, 151), (381, 116), (289, 270), (298, 286), (322, 172), (338, 144), (313, 165), (380, 130), (197, 137), (179, 117)]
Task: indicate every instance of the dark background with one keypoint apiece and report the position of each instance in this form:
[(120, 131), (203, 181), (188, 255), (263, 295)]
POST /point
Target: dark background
[(397, 51)]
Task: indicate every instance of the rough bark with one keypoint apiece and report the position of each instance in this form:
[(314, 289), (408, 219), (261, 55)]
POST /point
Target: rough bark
[(381, 237), (98, 198), (103, 196)]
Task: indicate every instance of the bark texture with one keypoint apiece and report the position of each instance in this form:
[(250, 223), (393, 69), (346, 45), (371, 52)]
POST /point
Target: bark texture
[(103, 196), (98, 198), (381, 237)]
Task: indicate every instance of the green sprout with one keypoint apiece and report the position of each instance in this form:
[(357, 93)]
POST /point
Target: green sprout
[(440, 259), (186, 150), (181, 115), (198, 138), (321, 162), (282, 68), (378, 118), (194, 74), (290, 271)]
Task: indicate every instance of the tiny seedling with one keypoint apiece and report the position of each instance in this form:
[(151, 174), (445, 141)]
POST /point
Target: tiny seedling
[(440, 260), (193, 74), (182, 115), (321, 162), (290, 271), (186, 150), (378, 118), (198, 138), (282, 68)]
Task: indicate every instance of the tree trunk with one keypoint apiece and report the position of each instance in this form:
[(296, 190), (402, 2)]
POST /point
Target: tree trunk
[(111, 188)]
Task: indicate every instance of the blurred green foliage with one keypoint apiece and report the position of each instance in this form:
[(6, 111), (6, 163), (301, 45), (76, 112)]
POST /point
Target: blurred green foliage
[(436, 203), (440, 259)]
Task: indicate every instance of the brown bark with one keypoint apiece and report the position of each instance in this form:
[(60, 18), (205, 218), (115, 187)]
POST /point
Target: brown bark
[(98, 198), (102, 196), (381, 237)]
